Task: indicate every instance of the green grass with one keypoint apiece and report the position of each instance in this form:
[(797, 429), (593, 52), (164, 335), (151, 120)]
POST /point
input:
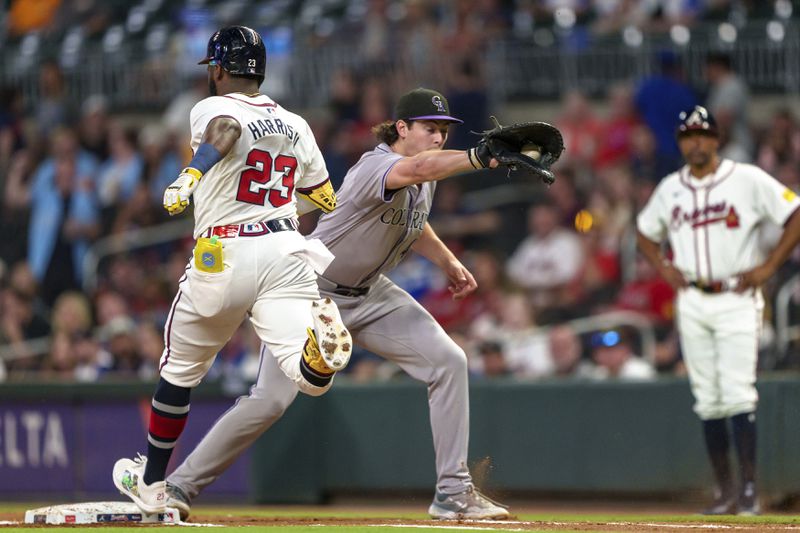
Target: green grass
[(398, 514)]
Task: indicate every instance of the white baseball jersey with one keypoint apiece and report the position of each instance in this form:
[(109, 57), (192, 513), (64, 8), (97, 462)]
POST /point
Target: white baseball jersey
[(712, 226), (268, 276), (712, 222), (275, 155)]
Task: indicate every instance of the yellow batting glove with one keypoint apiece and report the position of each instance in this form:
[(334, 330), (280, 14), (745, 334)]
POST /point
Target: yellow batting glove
[(177, 195)]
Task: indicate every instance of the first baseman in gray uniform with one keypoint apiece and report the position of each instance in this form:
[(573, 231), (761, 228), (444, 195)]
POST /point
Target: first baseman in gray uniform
[(382, 213)]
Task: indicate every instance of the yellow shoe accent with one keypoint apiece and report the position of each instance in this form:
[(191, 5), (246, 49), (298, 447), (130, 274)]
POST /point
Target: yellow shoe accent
[(312, 355)]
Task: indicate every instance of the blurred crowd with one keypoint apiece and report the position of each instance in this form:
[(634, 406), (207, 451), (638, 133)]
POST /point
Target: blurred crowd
[(339, 18), (75, 175)]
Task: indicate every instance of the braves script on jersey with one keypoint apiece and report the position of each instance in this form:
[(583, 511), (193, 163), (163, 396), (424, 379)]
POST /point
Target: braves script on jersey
[(275, 154), (711, 222), (371, 228)]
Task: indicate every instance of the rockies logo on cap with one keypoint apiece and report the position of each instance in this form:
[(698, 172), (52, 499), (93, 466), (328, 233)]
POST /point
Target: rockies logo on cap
[(423, 104)]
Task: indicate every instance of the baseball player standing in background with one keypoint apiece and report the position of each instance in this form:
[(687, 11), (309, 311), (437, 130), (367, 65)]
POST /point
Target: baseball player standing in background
[(250, 157), (709, 211), (382, 214)]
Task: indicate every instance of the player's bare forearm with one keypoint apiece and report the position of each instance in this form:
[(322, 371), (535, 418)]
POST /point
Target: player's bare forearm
[(650, 249), (431, 165), (461, 280), (789, 239), (787, 242), (431, 247), (652, 252), (222, 133), (218, 139)]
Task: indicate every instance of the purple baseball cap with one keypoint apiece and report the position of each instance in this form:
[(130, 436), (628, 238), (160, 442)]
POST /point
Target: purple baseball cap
[(424, 104)]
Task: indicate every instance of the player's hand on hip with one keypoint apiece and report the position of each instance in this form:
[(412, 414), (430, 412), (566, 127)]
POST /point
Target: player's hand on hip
[(673, 276), (461, 281), (177, 195), (752, 279)]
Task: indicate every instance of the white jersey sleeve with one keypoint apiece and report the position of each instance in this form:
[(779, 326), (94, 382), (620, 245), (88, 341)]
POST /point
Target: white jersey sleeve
[(773, 199), (652, 221)]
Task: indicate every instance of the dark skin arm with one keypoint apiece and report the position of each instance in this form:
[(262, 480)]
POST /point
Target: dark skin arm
[(757, 276), (652, 251), (222, 133)]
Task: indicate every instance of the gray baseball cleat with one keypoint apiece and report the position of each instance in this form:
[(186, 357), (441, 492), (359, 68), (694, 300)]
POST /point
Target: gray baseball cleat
[(467, 505), (178, 499)]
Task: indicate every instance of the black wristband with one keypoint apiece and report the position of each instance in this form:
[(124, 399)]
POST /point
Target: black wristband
[(480, 156), (473, 159)]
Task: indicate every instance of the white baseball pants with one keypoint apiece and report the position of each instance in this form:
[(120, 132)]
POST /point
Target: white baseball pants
[(267, 278), (719, 338)]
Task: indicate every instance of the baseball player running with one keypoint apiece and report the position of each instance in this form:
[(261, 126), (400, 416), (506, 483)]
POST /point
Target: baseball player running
[(384, 204), (709, 211), (250, 158)]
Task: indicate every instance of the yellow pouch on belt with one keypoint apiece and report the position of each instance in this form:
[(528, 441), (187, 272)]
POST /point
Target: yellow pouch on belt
[(208, 255)]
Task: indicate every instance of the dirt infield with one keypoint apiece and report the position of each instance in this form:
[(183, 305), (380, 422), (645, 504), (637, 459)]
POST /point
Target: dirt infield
[(507, 525), (536, 515)]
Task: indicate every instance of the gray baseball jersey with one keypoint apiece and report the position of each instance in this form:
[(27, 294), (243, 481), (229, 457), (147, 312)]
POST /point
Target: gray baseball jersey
[(369, 232), (372, 229)]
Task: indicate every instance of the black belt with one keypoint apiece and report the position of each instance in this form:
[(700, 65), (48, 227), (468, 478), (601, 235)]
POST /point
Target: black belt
[(711, 287), (343, 290)]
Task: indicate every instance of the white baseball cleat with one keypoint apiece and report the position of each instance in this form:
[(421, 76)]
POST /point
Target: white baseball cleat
[(467, 505), (332, 338), (129, 479)]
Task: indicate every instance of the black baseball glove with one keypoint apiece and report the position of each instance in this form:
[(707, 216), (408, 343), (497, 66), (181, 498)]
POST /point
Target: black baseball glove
[(529, 148)]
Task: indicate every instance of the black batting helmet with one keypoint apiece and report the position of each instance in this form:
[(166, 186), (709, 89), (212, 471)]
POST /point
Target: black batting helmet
[(238, 50), (697, 118)]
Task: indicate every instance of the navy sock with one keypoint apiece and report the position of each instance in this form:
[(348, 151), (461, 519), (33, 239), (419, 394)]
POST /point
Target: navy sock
[(168, 414), (718, 446), (744, 438)]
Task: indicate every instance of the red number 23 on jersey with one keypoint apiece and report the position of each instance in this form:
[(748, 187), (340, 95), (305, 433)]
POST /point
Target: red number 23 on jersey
[(261, 174)]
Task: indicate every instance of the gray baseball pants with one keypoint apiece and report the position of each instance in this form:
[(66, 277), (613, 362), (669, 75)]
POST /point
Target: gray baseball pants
[(388, 322)]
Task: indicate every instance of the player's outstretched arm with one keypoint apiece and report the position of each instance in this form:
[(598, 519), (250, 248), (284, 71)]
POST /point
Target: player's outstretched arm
[(218, 139), (431, 165), (789, 238), (461, 280), (652, 251)]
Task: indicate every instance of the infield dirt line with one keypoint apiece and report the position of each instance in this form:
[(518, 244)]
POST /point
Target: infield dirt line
[(421, 526)]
